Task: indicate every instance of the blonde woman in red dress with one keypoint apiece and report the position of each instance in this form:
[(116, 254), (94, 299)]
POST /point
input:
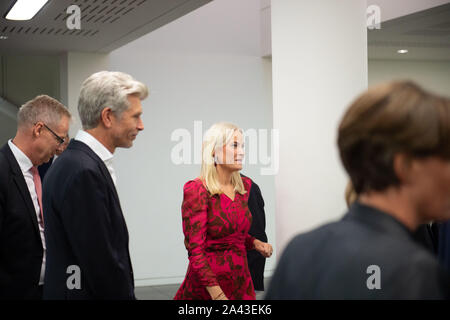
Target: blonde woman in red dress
[(216, 220)]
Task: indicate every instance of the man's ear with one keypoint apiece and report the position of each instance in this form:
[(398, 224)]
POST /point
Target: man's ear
[(37, 129), (106, 117), (403, 167)]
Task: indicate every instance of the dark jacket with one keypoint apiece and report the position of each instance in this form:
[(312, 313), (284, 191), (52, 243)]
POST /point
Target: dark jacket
[(256, 262), (43, 168), (21, 248), (444, 244), (338, 261), (85, 228), (427, 236)]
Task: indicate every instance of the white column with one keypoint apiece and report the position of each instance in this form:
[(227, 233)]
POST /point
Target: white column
[(319, 56), (75, 67)]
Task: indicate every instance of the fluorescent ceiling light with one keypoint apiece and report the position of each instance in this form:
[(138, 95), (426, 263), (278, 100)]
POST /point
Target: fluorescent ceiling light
[(402, 51), (25, 9)]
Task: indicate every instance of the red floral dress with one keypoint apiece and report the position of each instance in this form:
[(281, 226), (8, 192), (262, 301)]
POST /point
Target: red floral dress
[(216, 238)]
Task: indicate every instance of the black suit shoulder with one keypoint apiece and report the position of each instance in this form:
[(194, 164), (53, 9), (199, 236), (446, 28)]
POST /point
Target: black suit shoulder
[(354, 239), (75, 167), (20, 243), (79, 158), (5, 172), (256, 207), (5, 180), (85, 227), (256, 262), (5, 163), (336, 260)]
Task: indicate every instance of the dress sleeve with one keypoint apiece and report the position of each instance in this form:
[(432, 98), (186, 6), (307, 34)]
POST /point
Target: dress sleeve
[(249, 245), (194, 213)]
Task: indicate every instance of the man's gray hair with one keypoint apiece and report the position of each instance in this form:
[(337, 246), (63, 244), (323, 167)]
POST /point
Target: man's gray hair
[(42, 108), (106, 89)]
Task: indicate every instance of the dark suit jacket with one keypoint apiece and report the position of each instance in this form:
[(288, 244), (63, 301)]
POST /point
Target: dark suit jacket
[(331, 262), (256, 261), (444, 244), (43, 168), (20, 242), (425, 235), (85, 227)]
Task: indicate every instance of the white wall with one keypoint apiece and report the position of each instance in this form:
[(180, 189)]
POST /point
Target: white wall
[(75, 67), (266, 26), (319, 55), (204, 66), (433, 75)]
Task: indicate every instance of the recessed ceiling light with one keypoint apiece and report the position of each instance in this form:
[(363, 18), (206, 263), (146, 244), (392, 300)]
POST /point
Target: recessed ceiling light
[(402, 51), (25, 9), (3, 37)]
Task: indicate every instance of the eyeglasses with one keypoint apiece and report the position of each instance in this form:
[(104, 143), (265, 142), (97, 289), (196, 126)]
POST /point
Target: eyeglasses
[(60, 140)]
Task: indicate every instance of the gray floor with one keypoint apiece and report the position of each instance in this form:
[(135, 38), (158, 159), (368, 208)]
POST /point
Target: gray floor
[(167, 292)]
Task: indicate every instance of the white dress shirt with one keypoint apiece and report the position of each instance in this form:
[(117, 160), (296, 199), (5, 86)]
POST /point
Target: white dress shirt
[(100, 150), (25, 165)]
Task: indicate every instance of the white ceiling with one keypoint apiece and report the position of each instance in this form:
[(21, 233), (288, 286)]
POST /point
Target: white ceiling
[(392, 9), (109, 24), (105, 24), (425, 34)]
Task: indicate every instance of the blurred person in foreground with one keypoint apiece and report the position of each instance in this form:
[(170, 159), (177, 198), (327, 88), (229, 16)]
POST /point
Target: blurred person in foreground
[(394, 142), (216, 221), (424, 233)]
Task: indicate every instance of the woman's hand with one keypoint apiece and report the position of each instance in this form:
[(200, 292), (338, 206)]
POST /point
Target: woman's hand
[(216, 293), (221, 297), (263, 247)]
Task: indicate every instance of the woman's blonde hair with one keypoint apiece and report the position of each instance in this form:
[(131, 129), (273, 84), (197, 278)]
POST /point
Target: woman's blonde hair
[(216, 137)]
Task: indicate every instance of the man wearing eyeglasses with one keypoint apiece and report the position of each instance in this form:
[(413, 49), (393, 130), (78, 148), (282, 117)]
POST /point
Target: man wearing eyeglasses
[(41, 124)]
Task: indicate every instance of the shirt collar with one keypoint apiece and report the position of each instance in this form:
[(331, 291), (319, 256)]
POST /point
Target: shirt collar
[(99, 149), (25, 163)]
